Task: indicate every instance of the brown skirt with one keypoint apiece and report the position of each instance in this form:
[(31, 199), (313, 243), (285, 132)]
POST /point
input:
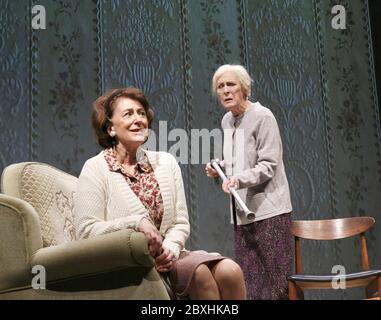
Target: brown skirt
[(182, 272)]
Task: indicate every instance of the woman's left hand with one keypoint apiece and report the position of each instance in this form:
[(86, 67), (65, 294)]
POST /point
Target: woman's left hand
[(229, 183), (164, 262)]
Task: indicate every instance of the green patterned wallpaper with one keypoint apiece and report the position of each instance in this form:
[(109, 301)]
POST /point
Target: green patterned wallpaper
[(318, 81)]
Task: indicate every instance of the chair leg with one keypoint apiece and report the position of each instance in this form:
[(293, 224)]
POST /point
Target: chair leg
[(294, 292), (373, 290)]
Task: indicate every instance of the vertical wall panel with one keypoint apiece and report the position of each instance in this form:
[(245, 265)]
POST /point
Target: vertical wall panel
[(284, 64), (215, 39), (66, 84), (353, 121), (284, 61), (145, 45), (142, 48), (14, 82)]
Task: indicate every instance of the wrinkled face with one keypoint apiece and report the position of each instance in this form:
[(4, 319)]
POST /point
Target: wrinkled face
[(129, 122), (229, 91)]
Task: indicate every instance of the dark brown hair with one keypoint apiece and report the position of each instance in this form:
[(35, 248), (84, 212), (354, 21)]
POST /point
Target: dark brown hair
[(103, 109)]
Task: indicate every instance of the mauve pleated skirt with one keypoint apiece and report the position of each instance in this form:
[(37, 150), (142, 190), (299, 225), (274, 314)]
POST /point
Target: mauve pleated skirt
[(181, 275), (264, 250)]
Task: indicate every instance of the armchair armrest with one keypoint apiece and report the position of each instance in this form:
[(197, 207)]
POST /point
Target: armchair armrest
[(20, 237), (108, 252)]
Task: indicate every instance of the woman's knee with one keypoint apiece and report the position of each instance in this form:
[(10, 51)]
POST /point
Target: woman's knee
[(202, 273), (228, 271), (203, 285), (203, 277)]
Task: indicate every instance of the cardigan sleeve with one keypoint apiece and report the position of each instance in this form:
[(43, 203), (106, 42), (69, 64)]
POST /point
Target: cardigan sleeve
[(177, 234), (90, 205), (269, 150)]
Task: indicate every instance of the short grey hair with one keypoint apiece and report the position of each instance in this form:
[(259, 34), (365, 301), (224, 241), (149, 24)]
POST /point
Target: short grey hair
[(242, 74)]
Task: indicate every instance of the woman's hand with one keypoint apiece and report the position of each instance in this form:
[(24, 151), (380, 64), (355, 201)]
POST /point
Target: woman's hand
[(210, 171), (153, 235), (229, 183), (164, 262)]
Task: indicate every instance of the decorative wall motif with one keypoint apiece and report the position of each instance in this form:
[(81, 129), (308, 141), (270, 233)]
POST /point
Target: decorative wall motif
[(188, 171), (242, 18), (14, 88), (34, 67), (285, 63), (354, 123), (335, 248), (214, 39), (282, 58), (65, 88), (144, 61), (218, 48), (155, 58)]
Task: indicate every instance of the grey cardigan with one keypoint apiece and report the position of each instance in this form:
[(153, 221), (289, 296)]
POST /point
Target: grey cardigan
[(253, 155)]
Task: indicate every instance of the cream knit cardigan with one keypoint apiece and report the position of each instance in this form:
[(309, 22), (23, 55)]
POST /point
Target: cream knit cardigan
[(104, 202)]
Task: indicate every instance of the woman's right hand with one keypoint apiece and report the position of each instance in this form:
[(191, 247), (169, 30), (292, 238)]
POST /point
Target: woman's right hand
[(164, 262), (153, 235), (210, 171)]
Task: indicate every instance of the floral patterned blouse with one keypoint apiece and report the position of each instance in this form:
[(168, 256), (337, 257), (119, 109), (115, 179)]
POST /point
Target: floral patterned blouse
[(143, 184)]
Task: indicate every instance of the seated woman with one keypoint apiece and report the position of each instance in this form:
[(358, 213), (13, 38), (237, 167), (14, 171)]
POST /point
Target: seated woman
[(125, 186)]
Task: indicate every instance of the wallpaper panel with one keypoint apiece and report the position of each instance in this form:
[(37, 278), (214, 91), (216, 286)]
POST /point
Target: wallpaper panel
[(65, 84), (215, 39), (353, 123), (144, 44), (284, 62), (14, 82)]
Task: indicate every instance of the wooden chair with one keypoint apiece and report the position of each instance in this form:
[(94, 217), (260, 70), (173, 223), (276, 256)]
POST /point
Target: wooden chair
[(332, 229)]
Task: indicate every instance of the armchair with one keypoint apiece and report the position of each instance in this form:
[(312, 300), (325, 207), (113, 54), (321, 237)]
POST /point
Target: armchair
[(36, 229)]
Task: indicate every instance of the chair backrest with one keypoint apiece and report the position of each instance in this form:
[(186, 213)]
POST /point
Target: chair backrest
[(50, 191), (332, 229)]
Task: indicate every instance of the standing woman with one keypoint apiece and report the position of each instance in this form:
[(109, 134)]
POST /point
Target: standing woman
[(127, 187), (254, 166)]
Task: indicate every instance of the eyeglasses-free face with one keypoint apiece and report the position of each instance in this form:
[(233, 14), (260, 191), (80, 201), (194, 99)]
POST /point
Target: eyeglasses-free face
[(129, 121), (229, 91)]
